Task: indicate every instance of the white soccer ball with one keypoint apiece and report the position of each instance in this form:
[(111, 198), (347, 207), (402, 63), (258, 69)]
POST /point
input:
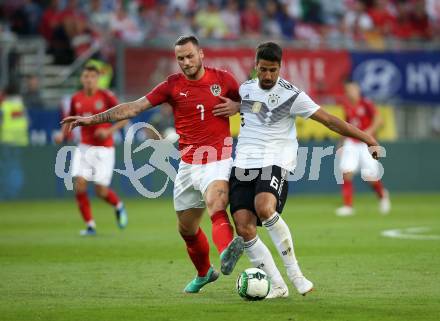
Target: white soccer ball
[(253, 284)]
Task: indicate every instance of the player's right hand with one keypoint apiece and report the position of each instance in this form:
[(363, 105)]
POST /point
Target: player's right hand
[(73, 121), (227, 108)]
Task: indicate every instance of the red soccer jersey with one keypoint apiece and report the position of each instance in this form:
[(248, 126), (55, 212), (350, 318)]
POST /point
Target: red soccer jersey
[(193, 103), (83, 105), (360, 115)]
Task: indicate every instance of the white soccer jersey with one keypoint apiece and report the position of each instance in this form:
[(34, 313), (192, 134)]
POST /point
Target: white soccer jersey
[(268, 133)]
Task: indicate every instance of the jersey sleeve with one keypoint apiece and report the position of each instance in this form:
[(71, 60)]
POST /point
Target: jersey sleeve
[(72, 111), (232, 85), (159, 94), (303, 106), (240, 91), (371, 108), (112, 100)]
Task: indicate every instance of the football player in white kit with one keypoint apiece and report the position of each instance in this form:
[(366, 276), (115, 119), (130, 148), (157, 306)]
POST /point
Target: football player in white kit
[(266, 152)]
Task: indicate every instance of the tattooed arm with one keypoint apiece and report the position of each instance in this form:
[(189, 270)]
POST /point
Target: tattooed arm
[(119, 112)]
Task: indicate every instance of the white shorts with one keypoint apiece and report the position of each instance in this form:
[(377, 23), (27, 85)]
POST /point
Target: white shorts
[(355, 156), (192, 180), (94, 163)]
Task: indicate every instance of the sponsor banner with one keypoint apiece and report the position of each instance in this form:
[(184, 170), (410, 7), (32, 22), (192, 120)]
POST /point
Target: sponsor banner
[(407, 76), (319, 73)]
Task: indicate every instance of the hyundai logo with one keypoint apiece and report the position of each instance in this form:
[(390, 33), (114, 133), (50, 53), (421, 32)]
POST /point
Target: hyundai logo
[(378, 78)]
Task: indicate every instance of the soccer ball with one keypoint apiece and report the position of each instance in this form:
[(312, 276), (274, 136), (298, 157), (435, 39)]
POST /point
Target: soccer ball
[(253, 284)]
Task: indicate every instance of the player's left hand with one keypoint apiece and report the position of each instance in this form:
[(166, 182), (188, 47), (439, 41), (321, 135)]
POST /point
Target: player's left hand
[(375, 151), (102, 133), (227, 108)]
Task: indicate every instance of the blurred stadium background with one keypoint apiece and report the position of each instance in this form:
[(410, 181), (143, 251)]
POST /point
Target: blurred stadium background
[(391, 47)]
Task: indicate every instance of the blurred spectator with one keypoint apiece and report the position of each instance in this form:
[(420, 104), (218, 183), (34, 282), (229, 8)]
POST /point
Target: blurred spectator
[(433, 11), (26, 18), (357, 21), (160, 20), (312, 11), (382, 16), (332, 11), (13, 119), (294, 8), (421, 28), (72, 26), (209, 22), (145, 20), (72, 10), (50, 19), (32, 95), (184, 6), (179, 24), (271, 27), (286, 23), (98, 17), (402, 27), (251, 17), (84, 37), (231, 17), (60, 45), (124, 27)]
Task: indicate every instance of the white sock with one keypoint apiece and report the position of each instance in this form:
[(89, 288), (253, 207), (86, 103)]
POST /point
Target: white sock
[(91, 224), (260, 257), (280, 234)]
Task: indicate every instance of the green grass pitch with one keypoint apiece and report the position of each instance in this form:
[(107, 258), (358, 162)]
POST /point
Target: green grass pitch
[(48, 272)]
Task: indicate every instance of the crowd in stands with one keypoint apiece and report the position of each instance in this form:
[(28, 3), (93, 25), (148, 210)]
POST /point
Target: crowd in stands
[(71, 27)]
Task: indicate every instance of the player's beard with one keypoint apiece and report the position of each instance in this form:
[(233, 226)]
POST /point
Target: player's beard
[(267, 84), (192, 71)]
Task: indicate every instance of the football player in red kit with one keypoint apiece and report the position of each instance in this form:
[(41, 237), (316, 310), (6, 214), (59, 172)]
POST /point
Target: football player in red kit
[(205, 145), (94, 158), (355, 156)]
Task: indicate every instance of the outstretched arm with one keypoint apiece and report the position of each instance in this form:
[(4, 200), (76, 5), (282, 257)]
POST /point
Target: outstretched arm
[(341, 127), (119, 112)]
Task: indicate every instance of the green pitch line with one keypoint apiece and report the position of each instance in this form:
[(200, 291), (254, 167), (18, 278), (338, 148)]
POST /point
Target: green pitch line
[(48, 272)]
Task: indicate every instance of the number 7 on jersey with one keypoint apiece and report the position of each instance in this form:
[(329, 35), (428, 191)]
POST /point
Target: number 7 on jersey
[(202, 111)]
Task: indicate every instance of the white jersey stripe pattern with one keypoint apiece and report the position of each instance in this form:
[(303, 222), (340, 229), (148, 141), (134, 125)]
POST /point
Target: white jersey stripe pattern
[(268, 133)]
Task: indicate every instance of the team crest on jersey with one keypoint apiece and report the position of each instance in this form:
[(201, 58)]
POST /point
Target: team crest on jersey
[(273, 100), (99, 104), (216, 89), (256, 107)]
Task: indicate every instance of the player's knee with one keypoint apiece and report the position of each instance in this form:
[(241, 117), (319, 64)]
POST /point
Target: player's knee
[(215, 204), (80, 186), (101, 191), (264, 210), (246, 231), (347, 176), (187, 230)]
